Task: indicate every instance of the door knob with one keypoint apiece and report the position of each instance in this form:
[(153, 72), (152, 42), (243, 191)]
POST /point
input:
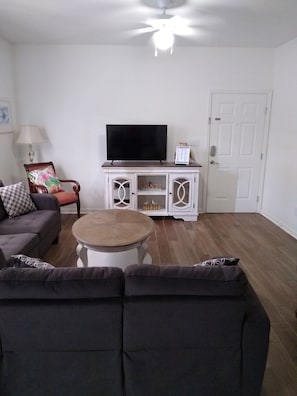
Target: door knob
[(214, 162)]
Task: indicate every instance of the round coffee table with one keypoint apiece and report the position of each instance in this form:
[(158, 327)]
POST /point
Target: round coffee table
[(112, 230)]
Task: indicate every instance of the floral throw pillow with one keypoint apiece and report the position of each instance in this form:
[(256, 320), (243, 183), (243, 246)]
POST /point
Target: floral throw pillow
[(16, 200), (46, 177)]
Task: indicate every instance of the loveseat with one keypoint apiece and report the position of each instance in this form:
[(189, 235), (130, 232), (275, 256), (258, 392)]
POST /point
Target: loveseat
[(149, 331), (33, 232)]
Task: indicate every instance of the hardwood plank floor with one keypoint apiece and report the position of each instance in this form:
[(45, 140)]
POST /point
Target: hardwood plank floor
[(267, 254)]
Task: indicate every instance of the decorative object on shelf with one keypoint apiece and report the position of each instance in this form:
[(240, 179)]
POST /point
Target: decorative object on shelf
[(152, 186), (151, 205), (5, 117), (30, 134)]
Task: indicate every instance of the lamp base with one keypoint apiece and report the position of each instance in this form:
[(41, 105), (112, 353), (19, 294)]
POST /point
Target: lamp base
[(31, 155)]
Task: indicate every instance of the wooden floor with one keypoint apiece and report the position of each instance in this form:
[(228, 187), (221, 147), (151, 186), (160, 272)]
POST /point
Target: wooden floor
[(267, 254)]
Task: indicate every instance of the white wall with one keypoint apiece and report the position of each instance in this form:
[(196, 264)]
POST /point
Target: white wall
[(280, 187), (8, 169), (73, 91)]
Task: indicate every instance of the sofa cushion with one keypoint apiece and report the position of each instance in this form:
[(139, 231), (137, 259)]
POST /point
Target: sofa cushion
[(181, 326), (143, 280), (38, 222), (46, 177), (25, 243), (16, 200), (61, 331), (61, 283)]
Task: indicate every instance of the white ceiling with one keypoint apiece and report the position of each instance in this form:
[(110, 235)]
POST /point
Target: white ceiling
[(244, 23)]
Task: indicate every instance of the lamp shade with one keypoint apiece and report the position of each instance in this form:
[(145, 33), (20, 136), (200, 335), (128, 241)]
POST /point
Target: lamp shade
[(30, 134)]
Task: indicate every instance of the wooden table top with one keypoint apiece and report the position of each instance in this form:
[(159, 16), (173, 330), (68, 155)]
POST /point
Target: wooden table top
[(112, 228)]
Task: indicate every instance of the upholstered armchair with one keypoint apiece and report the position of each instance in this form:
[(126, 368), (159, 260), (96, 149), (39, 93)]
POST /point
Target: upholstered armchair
[(42, 178)]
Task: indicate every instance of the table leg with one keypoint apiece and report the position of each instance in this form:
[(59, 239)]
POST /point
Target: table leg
[(142, 250), (82, 253)]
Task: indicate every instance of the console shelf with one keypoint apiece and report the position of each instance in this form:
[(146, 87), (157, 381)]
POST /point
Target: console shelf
[(156, 189)]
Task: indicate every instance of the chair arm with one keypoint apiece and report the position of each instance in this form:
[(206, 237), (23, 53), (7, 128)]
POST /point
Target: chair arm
[(76, 185), (255, 342), (45, 202)]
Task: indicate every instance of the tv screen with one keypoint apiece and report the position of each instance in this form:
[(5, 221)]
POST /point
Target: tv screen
[(136, 142)]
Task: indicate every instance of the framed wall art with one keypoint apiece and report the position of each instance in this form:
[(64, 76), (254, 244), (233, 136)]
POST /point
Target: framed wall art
[(5, 117)]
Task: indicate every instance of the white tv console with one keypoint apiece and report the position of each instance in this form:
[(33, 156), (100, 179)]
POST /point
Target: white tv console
[(153, 188)]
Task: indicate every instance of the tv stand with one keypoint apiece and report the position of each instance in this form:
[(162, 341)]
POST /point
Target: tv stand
[(154, 188)]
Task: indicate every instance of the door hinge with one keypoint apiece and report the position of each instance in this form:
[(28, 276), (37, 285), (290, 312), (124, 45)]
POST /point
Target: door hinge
[(257, 198), (261, 156), (209, 120), (266, 110)]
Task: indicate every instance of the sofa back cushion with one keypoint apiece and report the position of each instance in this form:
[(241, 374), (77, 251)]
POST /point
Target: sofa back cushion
[(61, 283), (186, 324), (61, 331), (141, 280)]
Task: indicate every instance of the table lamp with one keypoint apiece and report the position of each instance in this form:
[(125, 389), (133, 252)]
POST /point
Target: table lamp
[(30, 134)]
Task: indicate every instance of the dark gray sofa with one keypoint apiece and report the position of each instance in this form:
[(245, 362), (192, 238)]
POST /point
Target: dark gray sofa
[(31, 233), (170, 331)]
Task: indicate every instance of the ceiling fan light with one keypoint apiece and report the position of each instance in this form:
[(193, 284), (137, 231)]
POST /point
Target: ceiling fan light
[(163, 39)]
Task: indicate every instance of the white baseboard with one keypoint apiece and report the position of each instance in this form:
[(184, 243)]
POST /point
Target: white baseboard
[(279, 223)]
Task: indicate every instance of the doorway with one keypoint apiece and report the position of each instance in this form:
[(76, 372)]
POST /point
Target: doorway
[(238, 136)]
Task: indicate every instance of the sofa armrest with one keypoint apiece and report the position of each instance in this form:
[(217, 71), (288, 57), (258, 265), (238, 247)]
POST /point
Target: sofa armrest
[(255, 342), (45, 202)]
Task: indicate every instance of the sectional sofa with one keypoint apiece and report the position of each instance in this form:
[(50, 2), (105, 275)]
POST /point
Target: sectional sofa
[(31, 233), (149, 331)]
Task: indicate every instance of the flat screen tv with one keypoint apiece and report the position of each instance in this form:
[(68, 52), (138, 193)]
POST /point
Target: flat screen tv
[(136, 142)]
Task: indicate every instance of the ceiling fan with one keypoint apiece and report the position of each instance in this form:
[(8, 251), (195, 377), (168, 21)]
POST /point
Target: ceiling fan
[(164, 26)]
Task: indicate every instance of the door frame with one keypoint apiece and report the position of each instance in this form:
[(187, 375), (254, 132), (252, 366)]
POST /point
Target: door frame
[(268, 94)]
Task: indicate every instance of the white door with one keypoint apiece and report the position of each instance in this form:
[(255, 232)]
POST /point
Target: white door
[(237, 130)]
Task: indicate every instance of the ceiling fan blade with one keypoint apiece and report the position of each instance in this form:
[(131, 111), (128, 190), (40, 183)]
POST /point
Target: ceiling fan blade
[(139, 31), (183, 30)]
